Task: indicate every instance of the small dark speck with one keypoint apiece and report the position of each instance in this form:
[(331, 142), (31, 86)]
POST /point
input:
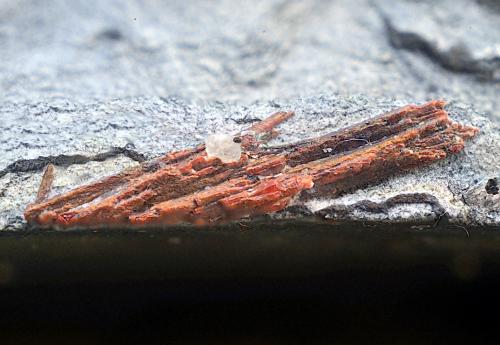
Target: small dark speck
[(246, 120), (432, 88), (111, 34), (151, 166), (253, 178), (492, 186), (237, 140), (274, 104), (55, 109)]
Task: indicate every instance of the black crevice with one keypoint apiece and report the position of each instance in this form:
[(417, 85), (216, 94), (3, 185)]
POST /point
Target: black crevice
[(457, 59), (384, 206), (38, 164)]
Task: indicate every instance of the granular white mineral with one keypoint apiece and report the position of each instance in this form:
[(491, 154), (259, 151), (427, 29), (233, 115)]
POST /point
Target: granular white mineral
[(223, 147)]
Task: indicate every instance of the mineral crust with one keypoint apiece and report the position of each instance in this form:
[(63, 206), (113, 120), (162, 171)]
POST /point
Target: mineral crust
[(191, 186)]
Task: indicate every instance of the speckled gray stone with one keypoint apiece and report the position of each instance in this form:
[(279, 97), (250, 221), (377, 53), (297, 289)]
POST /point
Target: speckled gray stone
[(244, 51), (440, 34), (108, 83)]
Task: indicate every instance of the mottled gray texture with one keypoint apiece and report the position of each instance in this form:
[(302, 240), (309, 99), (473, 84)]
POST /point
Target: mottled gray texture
[(245, 51), (449, 37), (117, 81)]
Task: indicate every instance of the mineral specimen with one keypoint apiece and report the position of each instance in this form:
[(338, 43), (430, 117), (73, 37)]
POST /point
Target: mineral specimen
[(234, 177)]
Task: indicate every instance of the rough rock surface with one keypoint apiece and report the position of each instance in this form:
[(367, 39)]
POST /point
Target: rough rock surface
[(164, 125), (439, 36), (107, 84)]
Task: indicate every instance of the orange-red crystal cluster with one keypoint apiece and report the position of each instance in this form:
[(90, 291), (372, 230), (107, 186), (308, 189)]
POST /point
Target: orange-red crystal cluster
[(190, 187)]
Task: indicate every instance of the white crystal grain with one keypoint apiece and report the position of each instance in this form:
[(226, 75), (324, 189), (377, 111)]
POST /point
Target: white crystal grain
[(223, 147)]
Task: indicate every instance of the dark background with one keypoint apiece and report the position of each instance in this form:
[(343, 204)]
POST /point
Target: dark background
[(290, 284)]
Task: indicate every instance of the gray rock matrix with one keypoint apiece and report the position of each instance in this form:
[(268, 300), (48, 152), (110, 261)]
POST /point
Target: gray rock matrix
[(97, 86)]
